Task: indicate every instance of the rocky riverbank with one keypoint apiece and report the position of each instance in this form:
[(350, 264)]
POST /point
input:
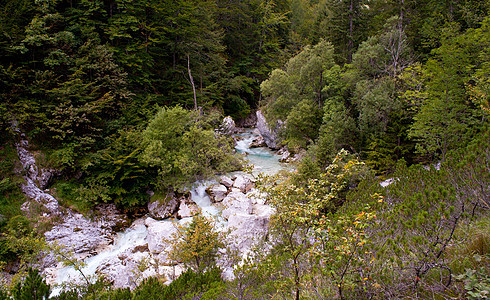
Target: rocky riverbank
[(125, 258)]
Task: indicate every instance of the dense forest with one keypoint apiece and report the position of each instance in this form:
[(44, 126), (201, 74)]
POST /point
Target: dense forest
[(119, 97)]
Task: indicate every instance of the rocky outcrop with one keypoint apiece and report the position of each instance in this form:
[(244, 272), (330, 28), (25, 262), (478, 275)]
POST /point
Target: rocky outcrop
[(227, 126), (249, 122), (270, 137), (287, 157), (159, 235), (35, 181), (40, 177), (236, 203), (49, 205), (85, 236), (247, 230)]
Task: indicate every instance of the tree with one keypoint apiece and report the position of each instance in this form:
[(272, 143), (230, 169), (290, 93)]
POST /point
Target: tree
[(298, 88), (196, 244), (446, 116), (306, 235), (33, 288), (184, 148)]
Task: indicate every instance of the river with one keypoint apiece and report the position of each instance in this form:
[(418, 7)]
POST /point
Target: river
[(264, 161)]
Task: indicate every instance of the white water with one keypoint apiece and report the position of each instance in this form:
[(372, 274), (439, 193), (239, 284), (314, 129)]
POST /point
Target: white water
[(264, 161), (132, 236)]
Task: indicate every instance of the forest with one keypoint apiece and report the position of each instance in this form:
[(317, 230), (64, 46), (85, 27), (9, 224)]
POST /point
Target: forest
[(121, 97)]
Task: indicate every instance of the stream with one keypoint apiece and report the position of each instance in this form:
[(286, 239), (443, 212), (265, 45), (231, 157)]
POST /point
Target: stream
[(264, 161)]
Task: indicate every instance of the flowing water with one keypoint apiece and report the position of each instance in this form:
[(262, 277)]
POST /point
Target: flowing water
[(264, 161)]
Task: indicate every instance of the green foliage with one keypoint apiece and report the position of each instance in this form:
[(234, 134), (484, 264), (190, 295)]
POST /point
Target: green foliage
[(33, 288), (304, 229), (295, 94), (184, 149), (196, 244), (476, 283), (447, 117), (11, 197), (302, 125), (119, 174)]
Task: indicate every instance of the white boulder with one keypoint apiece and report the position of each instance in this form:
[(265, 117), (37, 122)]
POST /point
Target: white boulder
[(217, 192), (243, 183)]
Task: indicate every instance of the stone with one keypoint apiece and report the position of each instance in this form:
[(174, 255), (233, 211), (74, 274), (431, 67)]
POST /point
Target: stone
[(257, 142), (226, 181), (79, 235), (187, 209), (246, 230), (217, 192), (387, 182), (161, 209), (270, 137), (159, 233), (35, 193), (227, 126), (243, 183), (44, 178), (236, 203), (140, 248), (285, 156)]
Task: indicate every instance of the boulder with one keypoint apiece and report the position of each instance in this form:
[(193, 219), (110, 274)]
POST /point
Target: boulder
[(217, 192), (243, 183), (35, 193), (246, 230), (160, 209), (159, 233), (236, 203), (227, 126), (258, 142), (187, 209), (270, 137), (226, 181), (285, 156), (79, 235)]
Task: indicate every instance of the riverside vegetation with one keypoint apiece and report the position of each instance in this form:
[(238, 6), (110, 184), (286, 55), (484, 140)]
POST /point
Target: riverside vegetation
[(119, 97)]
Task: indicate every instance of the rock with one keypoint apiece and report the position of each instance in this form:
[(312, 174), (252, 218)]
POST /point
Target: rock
[(270, 137), (79, 235), (285, 156), (226, 181), (387, 182), (217, 192), (159, 233), (227, 126), (246, 230), (140, 248), (44, 178), (236, 203), (250, 121), (243, 183), (109, 217), (258, 142), (187, 209), (46, 200), (160, 209)]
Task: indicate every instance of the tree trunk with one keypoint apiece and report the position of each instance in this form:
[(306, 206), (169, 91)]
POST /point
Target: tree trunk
[(192, 82), (351, 32)]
